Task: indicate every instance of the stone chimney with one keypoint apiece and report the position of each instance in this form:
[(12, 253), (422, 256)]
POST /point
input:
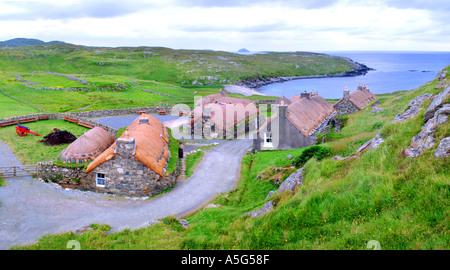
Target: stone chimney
[(346, 93), (143, 120), (305, 95), (359, 87), (125, 146)]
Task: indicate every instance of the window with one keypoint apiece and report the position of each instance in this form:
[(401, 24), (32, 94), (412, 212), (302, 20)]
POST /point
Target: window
[(100, 180), (268, 139)]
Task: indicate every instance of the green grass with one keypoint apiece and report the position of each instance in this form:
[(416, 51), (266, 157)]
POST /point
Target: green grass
[(173, 148), (167, 65), (192, 161), (10, 107), (29, 149), (131, 96), (121, 77), (98, 238), (403, 203)]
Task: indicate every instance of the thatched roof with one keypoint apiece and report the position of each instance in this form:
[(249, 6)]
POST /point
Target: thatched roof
[(88, 146), (283, 101), (224, 116), (152, 144), (360, 98), (221, 99), (306, 114)]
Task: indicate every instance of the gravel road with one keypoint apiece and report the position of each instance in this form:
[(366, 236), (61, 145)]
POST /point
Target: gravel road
[(30, 209)]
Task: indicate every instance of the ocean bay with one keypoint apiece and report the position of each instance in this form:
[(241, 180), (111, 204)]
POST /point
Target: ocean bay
[(393, 71)]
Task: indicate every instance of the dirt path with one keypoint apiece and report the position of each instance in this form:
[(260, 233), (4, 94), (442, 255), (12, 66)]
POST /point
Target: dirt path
[(30, 209)]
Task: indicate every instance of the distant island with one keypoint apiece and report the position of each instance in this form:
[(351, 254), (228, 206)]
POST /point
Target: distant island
[(243, 50)]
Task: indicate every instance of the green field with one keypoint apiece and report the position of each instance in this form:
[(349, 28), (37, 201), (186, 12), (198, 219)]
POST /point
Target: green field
[(116, 78), (167, 65), (403, 203), (10, 107), (29, 150)]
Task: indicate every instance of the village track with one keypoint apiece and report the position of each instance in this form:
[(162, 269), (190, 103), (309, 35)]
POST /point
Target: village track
[(29, 209)]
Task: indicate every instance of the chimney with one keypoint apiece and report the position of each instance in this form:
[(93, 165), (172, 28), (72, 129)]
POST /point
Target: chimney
[(143, 120), (304, 94), (125, 147), (359, 87), (346, 93)]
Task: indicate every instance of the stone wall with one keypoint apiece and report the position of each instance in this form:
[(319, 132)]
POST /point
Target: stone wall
[(86, 116), (128, 177), (61, 175), (345, 107)]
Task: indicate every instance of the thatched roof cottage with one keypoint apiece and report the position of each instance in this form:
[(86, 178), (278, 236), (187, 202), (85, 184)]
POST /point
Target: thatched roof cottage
[(136, 164), (355, 101), (292, 125)]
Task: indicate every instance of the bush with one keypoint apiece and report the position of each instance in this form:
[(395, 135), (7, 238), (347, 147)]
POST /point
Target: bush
[(319, 152)]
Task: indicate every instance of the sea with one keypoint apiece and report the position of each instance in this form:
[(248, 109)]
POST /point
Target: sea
[(393, 71)]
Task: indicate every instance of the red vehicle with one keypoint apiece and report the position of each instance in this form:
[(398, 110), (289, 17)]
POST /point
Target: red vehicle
[(23, 131)]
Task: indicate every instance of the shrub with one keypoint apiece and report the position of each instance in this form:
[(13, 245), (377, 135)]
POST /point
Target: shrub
[(319, 152)]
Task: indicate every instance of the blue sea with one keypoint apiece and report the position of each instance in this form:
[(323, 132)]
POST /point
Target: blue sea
[(393, 71)]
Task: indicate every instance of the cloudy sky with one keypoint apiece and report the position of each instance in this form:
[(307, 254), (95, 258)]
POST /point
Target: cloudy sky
[(258, 25)]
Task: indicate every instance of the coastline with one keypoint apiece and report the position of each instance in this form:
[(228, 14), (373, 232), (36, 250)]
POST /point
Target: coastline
[(254, 83)]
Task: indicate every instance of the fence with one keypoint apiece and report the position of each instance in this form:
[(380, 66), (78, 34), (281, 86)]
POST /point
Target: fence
[(17, 171)]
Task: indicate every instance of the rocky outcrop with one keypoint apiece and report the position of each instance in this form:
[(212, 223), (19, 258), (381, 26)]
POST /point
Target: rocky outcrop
[(268, 206), (441, 75), (413, 108), (294, 180), (436, 104), (358, 70), (371, 144), (377, 109), (435, 115), (443, 149)]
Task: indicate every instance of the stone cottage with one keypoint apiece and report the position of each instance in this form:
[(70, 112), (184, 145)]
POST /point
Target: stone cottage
[(294, 125), (220, 116), (88, 146), (136, 164), (355, 101)]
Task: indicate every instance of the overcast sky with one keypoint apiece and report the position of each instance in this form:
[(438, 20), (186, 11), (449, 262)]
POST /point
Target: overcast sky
[(258, 25)]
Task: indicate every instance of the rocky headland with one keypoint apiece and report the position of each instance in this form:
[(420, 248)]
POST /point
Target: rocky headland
[(358, 70)]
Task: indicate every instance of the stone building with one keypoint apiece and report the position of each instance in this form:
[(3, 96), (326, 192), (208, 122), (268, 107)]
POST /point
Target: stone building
[(136, 164), (355, 101), (293, 125), (220, 116)]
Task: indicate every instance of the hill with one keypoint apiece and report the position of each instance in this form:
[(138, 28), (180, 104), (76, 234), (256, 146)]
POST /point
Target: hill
[(18, 42), (379, 194), (186, 67), (54, 77)]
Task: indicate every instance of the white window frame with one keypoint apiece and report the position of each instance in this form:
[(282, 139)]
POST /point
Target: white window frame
[(268, 135), (97, 178)]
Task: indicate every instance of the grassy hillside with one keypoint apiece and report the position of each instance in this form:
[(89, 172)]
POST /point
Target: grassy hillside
[(403, 203), (167, 65), (69, 78)]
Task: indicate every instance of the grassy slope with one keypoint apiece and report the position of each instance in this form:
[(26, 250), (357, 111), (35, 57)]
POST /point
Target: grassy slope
[(28, 149), (10, 107), (141, 69), (164, 64), (403, 203)]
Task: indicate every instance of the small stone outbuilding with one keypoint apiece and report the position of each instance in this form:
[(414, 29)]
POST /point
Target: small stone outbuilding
[(355, 101), (136, 164), (220, 116), (88, 146)]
